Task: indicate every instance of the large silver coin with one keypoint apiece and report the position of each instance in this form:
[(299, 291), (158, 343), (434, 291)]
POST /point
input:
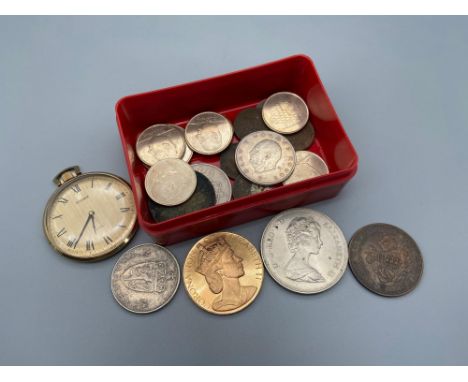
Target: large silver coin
[(208, 133), (308, 165), (170, 182), (285, 112), (145, 278), (265, 158), (160, 141), (219, 180), (304, 250), (188, 153)]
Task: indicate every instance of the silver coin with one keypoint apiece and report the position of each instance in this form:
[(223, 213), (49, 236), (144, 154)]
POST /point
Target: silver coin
[(308, 165), (160, 141), (265, 158), (188, 153), (285, 112), (219, 180), (170, 182), (145, 278), (304, 250), (208, 133)]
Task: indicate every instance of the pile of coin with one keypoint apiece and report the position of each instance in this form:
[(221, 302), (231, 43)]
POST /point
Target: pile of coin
[(303, 250), (271, 147)]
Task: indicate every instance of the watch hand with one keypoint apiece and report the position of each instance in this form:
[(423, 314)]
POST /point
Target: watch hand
[(94, 224), (83, 229)]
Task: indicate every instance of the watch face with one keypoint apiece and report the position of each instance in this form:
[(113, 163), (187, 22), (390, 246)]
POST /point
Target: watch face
[(91, 216)]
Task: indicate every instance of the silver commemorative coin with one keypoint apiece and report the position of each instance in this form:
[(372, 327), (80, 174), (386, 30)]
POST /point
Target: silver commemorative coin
[(308, 165), (304, 250), (188, 153), (170, 182), (285, 112), (265, 158), (208, 133), (145, 278), (219, 180), (159, 142)]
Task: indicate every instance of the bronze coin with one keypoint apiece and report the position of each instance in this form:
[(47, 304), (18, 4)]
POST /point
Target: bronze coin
[(303, 138), (227, 161), (243, 187), (385, 259), (203, 197), (247, 121)]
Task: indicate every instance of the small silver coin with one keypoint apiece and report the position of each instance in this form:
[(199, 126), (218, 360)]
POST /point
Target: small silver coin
[(308, 165), (145, 278), (265, 158), (170, 182), (208, 133), (304, 250), (188, 153), (219, 180), (285, 112), (159, 142)]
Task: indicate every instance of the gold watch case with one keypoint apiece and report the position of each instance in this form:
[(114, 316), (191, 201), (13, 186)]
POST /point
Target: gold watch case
[(91, 216)]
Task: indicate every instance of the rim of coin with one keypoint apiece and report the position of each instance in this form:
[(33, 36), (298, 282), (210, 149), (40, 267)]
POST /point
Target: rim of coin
[(224, 137), (155, 182), (149, 134), (298, 176), (188, 153), (266, 261), (221, 197), (171, 296), (269, 116), (369, 287)]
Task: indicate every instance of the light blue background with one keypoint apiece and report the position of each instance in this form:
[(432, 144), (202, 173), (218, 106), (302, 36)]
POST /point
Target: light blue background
[(400, 88)]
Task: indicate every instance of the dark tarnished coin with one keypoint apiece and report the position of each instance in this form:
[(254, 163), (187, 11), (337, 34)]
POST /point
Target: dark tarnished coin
[(227, 161), (248, 121), (303, 138), (385, 259), (203, 197), (243, 187)]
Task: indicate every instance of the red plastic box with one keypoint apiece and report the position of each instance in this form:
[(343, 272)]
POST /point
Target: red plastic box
[(228, 94)]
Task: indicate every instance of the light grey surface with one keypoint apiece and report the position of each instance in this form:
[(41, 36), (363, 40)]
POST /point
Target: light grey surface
[(399, 86)]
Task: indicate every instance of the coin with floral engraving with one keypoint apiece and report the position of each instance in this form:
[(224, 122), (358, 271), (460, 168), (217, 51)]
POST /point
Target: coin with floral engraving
[(160, 141), (247, 121), (304, 250), (308, 165), (265, 158), (385, 259), (145, 278), (302, 139), (285, 112), (219, 180), (208, 133), (227, 161)]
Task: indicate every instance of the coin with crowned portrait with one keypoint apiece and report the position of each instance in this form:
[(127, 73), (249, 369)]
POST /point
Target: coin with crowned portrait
[(219, 180), (170, 182), (160, 141), (304, 250), (265, 158), (145, 278), (208, 133), (385, 259), (285, 112), (223, 273), (308, 165)]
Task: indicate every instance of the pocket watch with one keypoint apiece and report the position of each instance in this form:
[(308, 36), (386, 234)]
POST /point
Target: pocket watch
[(90, 216)]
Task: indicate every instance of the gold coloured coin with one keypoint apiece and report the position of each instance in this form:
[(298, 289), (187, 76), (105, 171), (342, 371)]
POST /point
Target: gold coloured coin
[(223, 273)]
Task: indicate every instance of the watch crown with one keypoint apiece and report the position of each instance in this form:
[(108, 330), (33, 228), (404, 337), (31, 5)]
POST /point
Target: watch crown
[(67, 174)]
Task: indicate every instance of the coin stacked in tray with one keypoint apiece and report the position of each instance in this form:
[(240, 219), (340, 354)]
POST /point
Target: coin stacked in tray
[(269, 149)]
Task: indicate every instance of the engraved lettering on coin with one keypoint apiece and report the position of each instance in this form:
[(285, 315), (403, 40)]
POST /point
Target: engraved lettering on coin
[(308, 165), (385, 259), (159, 142), (219, 180), (145, 278), (285, 112), (304, 250)]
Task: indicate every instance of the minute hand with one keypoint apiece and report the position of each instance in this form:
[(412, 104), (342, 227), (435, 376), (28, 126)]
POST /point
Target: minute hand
[(82, 230)]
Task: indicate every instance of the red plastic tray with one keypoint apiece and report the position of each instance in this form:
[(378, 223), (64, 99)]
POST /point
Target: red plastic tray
[(228, 94)]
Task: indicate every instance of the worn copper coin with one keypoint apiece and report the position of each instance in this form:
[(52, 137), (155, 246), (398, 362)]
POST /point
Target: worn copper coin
[(302, 139), (308, 165), (145, 278), (243, 187), (203, 197), (227, 161), (208, 133), (385, 259), (223, 273), (265, 158), (247, 121), (219, 180), (160, 141), (285, 112)]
